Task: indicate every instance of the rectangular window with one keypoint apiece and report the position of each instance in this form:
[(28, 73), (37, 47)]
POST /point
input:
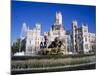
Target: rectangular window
[(86, 46), (85, 30), (85, 39)]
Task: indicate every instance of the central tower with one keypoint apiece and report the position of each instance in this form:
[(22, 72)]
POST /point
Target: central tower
[(57, 29), (58, 25), (58, 18)]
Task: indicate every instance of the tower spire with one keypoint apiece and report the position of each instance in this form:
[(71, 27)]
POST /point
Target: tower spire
[(58, 18)]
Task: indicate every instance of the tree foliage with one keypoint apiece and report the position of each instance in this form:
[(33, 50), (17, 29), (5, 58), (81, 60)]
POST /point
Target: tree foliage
[(15, 47)]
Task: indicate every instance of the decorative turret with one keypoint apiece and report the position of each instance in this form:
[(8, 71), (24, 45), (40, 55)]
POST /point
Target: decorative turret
[(38, 26), (58, 24), (58, 18), (74, 35), (74, 24)]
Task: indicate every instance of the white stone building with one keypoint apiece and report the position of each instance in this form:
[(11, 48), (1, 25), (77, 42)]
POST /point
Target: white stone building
[(77, 40), (33, 39), (81, 38), (92, 41)]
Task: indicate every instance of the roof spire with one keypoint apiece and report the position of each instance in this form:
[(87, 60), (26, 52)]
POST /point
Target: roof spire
[(58, 18)]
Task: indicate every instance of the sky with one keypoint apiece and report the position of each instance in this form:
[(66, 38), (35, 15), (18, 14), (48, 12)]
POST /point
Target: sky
[(44, 13)]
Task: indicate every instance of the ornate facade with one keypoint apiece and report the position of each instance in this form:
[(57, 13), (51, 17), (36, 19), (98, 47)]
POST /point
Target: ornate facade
[(76, 40), (33, 39), (81, 38)]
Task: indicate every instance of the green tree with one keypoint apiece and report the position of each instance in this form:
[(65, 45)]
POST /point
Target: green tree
[(15, 47)]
